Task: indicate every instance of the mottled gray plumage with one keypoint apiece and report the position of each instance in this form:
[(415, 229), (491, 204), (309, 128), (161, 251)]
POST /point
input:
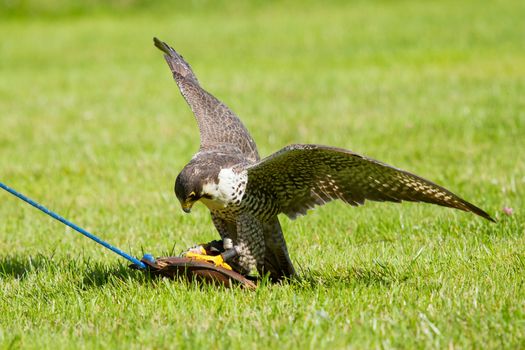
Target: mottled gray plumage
[(245, 194), (218, 125), (298, 177)]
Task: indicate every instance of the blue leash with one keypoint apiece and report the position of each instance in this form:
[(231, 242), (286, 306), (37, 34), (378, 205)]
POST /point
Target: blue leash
[(55, 216)]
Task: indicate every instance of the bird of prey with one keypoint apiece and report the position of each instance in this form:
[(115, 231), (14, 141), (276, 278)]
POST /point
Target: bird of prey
[(245, 194)]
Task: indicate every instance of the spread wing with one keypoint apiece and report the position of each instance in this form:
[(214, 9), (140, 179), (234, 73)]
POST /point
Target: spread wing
[(218, 125), (298, 177)]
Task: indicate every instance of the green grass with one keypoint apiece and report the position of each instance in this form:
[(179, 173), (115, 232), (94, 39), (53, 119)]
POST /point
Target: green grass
[(93, 127)]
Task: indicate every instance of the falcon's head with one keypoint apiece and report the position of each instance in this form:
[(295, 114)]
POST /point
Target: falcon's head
[(210, 179), (190, 185), (188, 189)]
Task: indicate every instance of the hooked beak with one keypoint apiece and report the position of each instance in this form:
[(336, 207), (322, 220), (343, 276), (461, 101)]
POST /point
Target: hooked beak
[(186, 206)]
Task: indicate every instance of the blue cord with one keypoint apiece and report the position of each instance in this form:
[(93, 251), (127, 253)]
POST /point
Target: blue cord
[(134, 260)]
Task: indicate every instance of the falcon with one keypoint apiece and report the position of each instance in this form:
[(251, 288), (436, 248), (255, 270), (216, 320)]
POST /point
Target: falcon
[(245, 194)]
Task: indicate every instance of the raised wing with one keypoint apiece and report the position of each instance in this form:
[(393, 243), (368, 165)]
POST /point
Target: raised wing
[(218, 125), (298, 177)]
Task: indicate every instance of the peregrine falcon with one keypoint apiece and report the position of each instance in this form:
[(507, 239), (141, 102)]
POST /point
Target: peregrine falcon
[(245, 194)]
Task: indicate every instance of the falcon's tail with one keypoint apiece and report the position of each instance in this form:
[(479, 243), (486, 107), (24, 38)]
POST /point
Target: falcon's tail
[(276, 259), (178, 66)]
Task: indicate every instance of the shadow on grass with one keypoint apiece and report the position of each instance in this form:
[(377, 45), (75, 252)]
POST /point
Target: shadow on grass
[(84, 274), (98, 274), (91, 274), (21, 266), (379, 274)]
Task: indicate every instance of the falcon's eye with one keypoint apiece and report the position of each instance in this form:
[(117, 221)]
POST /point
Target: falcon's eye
[(192, 196)]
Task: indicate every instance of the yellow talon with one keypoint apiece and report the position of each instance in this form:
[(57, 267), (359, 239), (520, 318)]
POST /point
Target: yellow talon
[(217, 260)]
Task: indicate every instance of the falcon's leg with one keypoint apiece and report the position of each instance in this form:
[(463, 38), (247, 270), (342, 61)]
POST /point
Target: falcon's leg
[(249, 245), (276, 259)]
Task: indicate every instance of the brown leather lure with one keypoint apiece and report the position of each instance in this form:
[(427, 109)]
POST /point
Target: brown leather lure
[(198, 270)]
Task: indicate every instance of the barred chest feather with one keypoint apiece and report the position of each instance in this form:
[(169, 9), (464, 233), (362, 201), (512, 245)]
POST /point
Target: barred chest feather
[(227, 193)]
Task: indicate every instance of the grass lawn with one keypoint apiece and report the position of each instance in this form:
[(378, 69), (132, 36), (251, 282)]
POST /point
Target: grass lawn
[(92, 126)]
